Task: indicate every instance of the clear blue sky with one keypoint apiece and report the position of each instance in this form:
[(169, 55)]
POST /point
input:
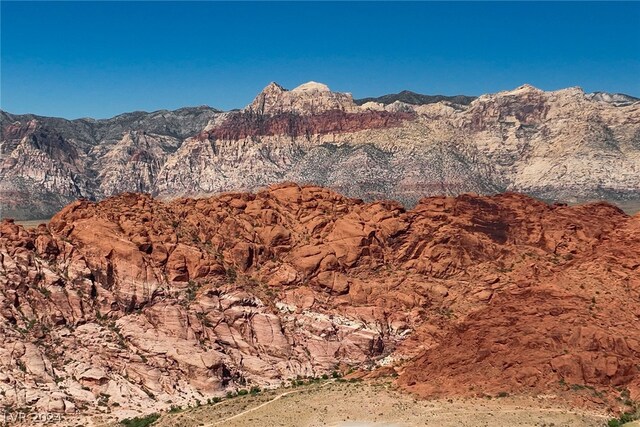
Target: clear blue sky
[(74, 59)]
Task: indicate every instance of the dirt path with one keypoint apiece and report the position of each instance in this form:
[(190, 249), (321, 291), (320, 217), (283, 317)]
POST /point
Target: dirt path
[(278, 397)]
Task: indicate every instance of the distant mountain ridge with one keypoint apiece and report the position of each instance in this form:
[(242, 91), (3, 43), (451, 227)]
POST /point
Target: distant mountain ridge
[(619, 99), (409, 97), (560, 145), (182, 122)]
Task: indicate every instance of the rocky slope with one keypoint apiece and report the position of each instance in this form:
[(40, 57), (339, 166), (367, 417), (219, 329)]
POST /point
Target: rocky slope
[(618, 99), (48, 162), (134, 304), (562, 145)]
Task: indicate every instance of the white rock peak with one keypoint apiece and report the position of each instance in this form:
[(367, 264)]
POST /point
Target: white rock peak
[(525, 88), (312, 86)]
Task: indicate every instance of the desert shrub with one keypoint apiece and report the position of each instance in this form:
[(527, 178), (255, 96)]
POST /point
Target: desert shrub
[(140, 421), (626, 417), (231, 274)]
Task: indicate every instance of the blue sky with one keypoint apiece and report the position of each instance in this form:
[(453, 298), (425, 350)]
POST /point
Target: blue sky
[(74, 59)]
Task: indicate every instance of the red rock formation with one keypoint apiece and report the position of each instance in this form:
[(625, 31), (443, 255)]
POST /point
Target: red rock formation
[(248, 124), (150, 301)]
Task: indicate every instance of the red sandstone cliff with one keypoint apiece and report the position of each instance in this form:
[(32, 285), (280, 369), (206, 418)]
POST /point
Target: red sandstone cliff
[(149, 301)]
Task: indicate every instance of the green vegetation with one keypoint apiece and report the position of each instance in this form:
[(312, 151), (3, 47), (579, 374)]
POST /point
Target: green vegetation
[(44, 291), (191, 291), (231, 275), (624, 418), (578, 387), (140, 421)]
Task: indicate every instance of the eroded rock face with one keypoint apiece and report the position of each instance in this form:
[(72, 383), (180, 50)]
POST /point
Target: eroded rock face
[(48, 162), (307, 99), (563, 145), (293, 125), (150, 302)]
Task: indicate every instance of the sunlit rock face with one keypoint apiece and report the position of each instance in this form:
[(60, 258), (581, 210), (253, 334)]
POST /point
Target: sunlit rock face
[(157, 303), (563, 145)]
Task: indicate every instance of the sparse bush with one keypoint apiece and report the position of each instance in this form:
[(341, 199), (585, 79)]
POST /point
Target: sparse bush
[(140, 421), (626, 417), (231, 274), (44, 291), (192, 290)]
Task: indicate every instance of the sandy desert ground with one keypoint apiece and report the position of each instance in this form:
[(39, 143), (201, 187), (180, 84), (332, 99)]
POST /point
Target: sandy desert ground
[(33, 223), (377, 404)]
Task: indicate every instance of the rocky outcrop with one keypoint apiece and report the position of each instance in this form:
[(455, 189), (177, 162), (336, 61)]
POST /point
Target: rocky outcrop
[(307, 99), (564, 146), (149, 302)]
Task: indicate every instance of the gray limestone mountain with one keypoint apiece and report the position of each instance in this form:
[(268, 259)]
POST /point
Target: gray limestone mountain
[(562, 145), (48, 162), (413, 98), (618, 99)]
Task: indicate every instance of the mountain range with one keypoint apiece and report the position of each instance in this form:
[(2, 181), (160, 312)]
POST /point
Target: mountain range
[(183, 266), (563, 145)]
